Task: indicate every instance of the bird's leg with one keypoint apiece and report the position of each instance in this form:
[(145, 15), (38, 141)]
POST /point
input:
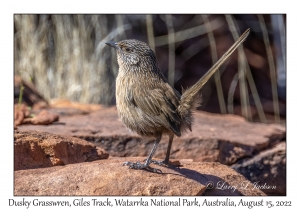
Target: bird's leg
[(139, 165), (167, 158)]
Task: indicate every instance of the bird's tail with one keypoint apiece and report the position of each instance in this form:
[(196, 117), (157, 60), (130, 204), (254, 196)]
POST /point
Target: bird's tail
[(190, 98)]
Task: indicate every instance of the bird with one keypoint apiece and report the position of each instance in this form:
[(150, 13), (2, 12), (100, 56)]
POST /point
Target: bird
[(147, 104)]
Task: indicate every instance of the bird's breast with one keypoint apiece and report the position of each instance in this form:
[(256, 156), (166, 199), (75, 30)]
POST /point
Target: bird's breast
[(131, 115)]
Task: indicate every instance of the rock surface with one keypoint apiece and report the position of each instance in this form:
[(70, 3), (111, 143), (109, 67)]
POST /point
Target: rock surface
[(215, 138), (42, 118), (24, 115), (85, 108), (39, 149), (21, 112), (109, 177), (267, 167)]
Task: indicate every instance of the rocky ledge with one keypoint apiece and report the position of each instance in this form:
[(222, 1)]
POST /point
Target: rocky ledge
[(215, 138), (34, 149), (109, 177)]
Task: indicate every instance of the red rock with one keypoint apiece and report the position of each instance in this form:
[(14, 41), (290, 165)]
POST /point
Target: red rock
[(61, 103), (23, 116), (34, 149), (222, 138), (43, 118), (21, 111), (109, 177)]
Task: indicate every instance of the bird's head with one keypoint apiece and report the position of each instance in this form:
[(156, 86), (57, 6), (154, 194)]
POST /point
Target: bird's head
[(133, 52)]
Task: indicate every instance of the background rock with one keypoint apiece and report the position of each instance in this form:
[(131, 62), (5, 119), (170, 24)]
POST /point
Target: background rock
[(222, 138), (109, 177), (39, 149), (269, 166), (42, 118), (21, 112)]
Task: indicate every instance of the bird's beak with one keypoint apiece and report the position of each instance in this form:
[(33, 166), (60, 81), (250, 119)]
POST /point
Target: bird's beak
[(112, 44)]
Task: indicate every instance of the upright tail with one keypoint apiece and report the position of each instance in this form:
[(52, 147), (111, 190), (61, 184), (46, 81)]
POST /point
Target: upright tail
[(190, 96)]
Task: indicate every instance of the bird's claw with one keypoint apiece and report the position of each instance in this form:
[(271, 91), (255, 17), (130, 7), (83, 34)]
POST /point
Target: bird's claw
[(132, 165), (139, 165)]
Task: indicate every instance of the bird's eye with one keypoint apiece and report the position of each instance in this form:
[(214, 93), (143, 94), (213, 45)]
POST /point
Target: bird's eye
[(128, 49)]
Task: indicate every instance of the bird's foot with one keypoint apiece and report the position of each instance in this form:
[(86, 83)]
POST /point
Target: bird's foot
[(139, 165), (167, 163)]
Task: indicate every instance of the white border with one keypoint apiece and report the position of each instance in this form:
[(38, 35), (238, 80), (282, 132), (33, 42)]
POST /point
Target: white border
[(153, 6)]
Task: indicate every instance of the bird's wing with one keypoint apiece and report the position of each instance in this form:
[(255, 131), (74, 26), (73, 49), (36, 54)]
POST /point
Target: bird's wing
[(160, 103)]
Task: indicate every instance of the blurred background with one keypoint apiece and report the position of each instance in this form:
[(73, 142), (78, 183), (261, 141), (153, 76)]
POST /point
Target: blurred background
[(65, 56)]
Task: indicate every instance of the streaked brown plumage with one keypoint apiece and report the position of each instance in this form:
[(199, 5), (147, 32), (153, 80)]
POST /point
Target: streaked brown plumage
[(147, 104)]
